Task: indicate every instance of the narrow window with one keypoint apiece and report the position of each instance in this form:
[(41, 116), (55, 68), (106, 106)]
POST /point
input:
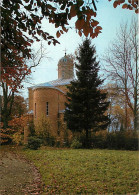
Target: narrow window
[(47, 109), (63, 74), (35, 110)]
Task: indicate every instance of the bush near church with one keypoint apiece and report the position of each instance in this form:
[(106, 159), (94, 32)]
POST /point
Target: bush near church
[(127, 140), (34, 143)]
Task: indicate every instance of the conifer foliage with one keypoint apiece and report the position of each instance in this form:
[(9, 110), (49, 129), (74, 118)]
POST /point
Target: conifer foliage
[(86, 107)]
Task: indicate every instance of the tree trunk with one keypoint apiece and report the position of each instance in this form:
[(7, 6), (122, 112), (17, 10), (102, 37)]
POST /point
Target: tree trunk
[(7, 105), (135, 95)]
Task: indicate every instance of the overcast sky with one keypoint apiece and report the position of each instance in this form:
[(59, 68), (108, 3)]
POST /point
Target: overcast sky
[(109, 19)]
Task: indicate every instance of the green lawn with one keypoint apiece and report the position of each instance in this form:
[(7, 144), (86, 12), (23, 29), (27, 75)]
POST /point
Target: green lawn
[(70, 171)]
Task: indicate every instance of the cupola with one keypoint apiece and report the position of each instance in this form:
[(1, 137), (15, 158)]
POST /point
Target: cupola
[(65, 68)]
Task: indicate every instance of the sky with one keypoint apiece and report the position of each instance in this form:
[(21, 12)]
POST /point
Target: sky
[(109, 19)]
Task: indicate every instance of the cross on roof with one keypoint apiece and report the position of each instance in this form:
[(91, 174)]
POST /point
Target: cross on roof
[(65, 51)]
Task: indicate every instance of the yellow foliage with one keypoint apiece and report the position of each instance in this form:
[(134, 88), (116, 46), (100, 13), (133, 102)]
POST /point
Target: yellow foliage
[(17, 138), (6, 135), (43, 126), (15, 131)]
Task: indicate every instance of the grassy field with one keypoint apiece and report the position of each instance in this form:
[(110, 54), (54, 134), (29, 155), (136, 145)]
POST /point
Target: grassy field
[(68, 171)]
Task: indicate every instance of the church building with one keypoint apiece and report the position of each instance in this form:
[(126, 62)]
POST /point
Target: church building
[(48, 99)]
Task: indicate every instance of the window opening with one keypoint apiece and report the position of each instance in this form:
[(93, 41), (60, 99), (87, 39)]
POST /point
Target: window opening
[(63, 74)]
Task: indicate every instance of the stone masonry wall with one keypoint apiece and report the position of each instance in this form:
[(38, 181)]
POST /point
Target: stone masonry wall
[(56, 101)]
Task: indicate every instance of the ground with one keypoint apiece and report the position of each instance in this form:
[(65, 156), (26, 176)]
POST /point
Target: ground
[(68, 171), (87, 171), (17, 175)]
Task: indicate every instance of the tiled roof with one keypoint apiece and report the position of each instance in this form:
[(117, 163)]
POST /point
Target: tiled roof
[(53, 84), (61, 111), (30, 112), (59, 82)]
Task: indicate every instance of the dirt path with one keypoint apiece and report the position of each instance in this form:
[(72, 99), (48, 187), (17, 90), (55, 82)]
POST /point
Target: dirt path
[(17, 176)]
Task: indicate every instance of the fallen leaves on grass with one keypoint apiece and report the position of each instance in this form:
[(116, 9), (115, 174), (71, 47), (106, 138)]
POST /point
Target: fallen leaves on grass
[(101, 171)]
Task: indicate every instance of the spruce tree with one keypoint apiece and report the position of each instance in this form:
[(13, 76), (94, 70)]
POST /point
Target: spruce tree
[(86, 106)]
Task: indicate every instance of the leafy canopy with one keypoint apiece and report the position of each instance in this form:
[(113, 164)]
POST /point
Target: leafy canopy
[(21, 25)]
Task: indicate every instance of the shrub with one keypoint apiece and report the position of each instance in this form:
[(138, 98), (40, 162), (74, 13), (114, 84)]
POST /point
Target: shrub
[(6, 136), (34, 143), (131, 141), (43, 130), (18, 138), (57, 144), (76, 144), (31, 128), (64, 134), (49, 141), (127, 140)]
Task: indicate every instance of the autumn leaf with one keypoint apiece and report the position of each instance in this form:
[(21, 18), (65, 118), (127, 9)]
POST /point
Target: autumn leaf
[(58, 34), (80, 33), (115, 4), (121, 1), (72, 11), (85, 31), (50, 37), (88, 16), (94, 23), (61, 31), (137, 11), (79, 24), (29, 71), (97, 29), (125, 6), (64, 29), (92, 13)]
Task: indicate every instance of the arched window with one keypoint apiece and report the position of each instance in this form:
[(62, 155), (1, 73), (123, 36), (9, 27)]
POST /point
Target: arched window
[(63, 73)]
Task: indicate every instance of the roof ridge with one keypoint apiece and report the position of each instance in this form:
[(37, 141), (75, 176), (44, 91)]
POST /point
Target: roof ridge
[(55, 82)]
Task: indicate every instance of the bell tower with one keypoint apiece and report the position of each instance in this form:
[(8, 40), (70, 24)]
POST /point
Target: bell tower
[(65, 68)]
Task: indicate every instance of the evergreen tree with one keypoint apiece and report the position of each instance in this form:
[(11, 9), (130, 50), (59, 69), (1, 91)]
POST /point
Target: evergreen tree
[(86, 107)]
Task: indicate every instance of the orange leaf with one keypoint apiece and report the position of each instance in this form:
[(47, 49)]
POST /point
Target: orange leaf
[(88, 16), (125, 6), (137, 11), (97, 29), (58, 34), (93, 35), (49, 42), (61, 31), (72, 11), (79, 24), (66, 30), (80, 33), (115, 4), (92, 13), (85, 31), (94, 23), (121, 1)]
